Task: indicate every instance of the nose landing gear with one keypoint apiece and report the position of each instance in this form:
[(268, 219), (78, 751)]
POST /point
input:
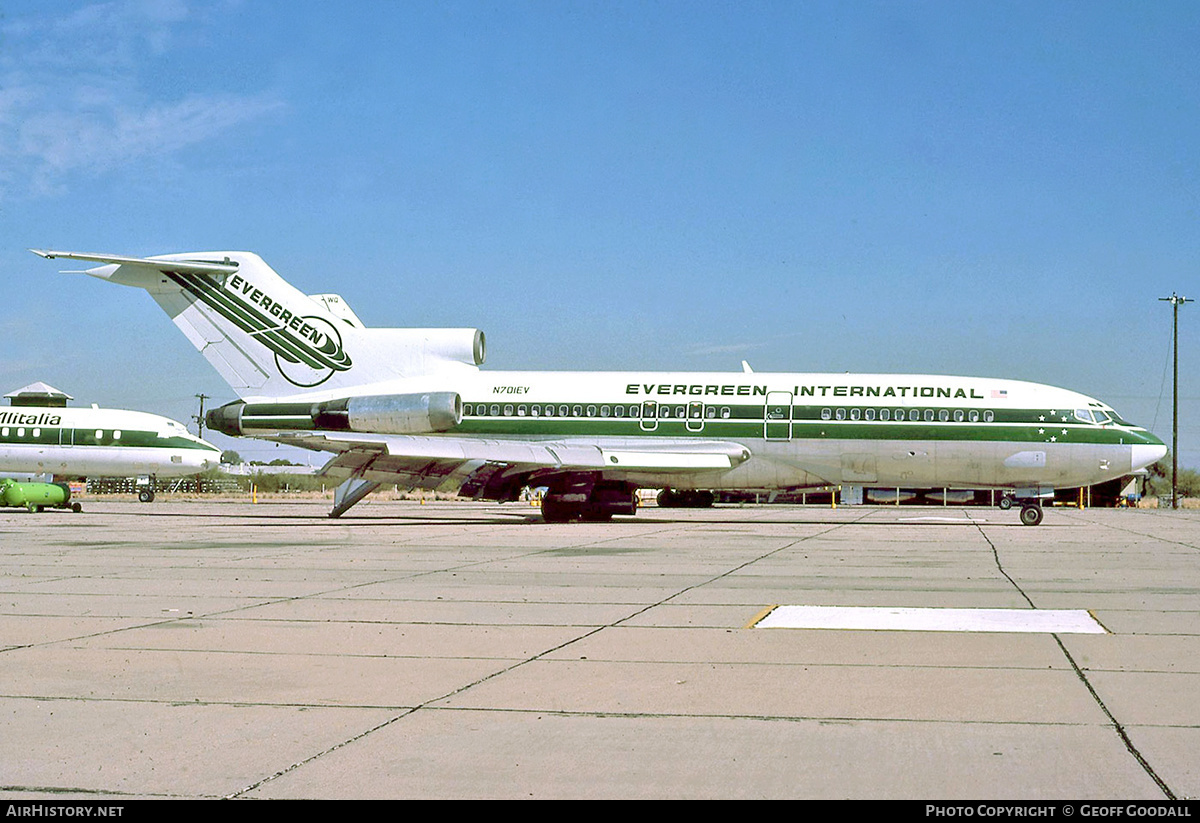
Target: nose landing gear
[(1030, 501)]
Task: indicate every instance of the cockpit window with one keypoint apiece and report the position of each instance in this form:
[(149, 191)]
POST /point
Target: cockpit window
[(1083, 415), (1101, 417)]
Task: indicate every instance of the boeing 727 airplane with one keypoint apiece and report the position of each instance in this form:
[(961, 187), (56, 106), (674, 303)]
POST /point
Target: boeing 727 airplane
[(413, 408), (39, 434)]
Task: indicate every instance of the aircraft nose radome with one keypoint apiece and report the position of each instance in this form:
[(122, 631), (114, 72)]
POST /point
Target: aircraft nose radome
[(1143, 456)]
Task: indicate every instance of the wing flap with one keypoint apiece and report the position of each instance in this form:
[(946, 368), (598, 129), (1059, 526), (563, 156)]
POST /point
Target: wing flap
[(428, 462), (378, 466)]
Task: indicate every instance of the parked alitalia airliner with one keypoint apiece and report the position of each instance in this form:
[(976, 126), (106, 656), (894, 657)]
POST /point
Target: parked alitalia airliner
[(40, 435), (412, 407)]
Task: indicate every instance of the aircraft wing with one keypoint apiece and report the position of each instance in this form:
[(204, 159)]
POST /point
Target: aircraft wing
[(482, 465)]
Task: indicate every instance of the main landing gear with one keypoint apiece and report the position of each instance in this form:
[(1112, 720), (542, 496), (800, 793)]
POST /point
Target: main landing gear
[(1031, 514), (591, 502), (685, 499)]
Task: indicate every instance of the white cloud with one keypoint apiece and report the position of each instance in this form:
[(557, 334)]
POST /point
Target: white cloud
[(730, 348), (743, 347), (76, 99)]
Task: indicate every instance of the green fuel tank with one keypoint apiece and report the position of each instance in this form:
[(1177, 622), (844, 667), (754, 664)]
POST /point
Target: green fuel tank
[(36, 496)]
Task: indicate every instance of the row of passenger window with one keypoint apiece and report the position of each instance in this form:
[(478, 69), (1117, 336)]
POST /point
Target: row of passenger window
[(79, 436), (693, 411), (696, 411), (911, 415)]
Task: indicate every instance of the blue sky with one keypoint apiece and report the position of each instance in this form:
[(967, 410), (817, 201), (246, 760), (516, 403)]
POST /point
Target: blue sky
[(998, 189)]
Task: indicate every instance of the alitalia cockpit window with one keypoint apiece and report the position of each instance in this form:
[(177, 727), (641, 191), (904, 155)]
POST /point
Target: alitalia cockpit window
[(1101, 417), (1083, 415)]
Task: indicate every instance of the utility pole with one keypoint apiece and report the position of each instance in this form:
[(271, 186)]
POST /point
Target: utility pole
[(199, 418), (1176, 301)]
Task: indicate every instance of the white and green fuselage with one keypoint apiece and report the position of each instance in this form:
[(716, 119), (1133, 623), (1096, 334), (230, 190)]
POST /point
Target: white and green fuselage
[(99, 443), (912, 431)]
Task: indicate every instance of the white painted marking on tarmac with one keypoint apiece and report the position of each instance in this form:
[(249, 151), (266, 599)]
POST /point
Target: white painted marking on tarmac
[(1059, 621), (938, 520)]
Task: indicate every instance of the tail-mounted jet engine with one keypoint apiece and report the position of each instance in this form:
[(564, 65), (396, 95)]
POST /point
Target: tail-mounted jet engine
[(384, 413)]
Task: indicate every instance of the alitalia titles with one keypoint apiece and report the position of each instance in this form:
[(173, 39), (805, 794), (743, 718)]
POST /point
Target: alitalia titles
[(733, 390), (12, 418)]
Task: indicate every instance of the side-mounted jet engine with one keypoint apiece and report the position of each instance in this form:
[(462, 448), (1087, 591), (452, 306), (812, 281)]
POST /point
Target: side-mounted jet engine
[(422, 413)]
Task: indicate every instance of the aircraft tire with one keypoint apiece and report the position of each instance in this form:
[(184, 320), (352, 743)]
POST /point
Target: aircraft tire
[(146, 496), (554, 511), (1031, 515), (670, 499), (75, 507), (1006, 503)]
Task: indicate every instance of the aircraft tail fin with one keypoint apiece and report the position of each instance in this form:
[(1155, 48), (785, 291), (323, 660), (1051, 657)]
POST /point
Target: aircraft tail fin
[(268, 339)]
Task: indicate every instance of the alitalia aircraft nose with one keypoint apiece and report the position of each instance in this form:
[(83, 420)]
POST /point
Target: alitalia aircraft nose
[(1143, 456)]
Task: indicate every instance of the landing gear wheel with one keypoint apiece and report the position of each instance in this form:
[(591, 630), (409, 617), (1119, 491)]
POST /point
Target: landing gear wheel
[(146, 496), (75, 507), (1006, 503), (670, 499), (1031, 515), (556, 512)]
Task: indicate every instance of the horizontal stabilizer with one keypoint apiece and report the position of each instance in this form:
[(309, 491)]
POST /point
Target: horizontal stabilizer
[(267, 338), (225, 266)]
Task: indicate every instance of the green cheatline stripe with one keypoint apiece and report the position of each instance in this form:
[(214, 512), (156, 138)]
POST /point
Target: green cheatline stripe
[(183, 443), (800, 414), (277, 422), (823, 430), (83, 438)]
